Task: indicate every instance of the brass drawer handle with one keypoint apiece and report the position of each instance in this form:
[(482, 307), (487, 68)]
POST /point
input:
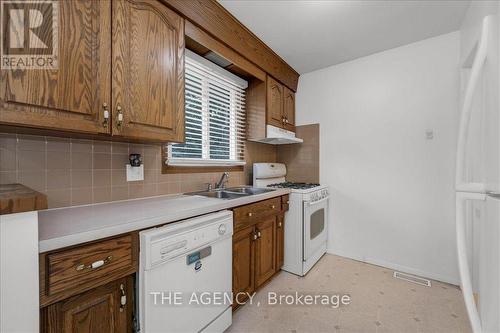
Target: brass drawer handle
[(258, 234), (279, 224), (105, 122), (94, 265), (123, 298), (250, 214), (254, 236), (119, 116), (273, 206), (288, 202)]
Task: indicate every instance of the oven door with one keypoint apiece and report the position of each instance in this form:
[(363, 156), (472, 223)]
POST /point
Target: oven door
[(315, 228)]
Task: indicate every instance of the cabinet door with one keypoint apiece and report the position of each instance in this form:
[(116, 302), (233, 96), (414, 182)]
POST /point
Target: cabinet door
[(96, 311), (265, 250), (71, 97), (280, 241), (148, 71), (289, 109), (243, 263), (274, 102)]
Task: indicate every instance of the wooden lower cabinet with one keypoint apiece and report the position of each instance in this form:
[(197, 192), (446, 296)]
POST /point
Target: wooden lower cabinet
[(258, 245), (280, 241), (244, 263), (99, 310), (265, 250)]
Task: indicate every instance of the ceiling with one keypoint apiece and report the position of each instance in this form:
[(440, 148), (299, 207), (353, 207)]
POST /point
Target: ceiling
[(310, 35)]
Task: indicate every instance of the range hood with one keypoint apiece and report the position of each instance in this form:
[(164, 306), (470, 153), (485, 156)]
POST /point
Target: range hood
[(278, 136)]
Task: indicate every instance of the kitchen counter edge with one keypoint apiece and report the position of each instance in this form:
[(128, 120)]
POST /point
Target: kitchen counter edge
[(93, 234)]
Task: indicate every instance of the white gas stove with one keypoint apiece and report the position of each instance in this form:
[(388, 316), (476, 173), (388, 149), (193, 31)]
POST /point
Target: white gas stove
[(306, 220)]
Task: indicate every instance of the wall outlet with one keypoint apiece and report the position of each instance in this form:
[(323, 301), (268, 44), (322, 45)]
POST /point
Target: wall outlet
[(135, 173), (429, 134)]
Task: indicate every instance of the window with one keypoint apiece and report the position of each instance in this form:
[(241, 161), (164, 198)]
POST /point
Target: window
[(215, 117)]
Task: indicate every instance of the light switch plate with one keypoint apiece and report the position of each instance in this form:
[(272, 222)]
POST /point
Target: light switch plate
[(135, 173)]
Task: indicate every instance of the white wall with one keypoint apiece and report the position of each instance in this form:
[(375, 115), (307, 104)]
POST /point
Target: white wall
[(393, 190)]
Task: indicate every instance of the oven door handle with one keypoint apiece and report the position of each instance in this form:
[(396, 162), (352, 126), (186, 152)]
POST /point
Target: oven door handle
[(309, 203)]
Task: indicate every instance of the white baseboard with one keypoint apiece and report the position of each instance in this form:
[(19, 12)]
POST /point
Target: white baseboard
[(397, 267)]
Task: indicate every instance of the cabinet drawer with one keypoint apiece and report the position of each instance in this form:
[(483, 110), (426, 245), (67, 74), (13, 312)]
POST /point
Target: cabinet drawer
[(285, 202), (250, 214), (69, 269)]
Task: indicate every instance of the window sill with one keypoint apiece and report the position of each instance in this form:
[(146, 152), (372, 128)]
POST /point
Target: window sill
[(187, 162), (200, 169)]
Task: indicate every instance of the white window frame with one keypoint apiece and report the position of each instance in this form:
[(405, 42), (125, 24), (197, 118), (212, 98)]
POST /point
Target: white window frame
[(233, 139)]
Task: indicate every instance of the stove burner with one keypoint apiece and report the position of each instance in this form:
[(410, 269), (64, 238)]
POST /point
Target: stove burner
[(296, 186)]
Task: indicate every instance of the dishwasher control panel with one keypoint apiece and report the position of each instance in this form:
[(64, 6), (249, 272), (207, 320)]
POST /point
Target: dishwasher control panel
[(168, 242)]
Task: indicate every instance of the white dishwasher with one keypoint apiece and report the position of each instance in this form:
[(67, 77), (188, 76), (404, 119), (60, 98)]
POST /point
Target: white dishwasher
[(185, 275)]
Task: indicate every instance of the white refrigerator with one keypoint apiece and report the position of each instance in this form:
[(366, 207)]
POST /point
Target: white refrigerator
[(478, 180)]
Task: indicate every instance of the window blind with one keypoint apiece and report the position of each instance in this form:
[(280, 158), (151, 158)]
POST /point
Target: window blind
[(214, 116)]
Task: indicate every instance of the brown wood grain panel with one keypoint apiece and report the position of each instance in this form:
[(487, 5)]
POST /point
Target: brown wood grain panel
[(59, 278), (250, 214), (95, 311), (245, 67), (17, 198), (72, 96), (289, 109), (285, 203), (243, 263), (280, 241), (265, 250), (62, 272), (148, 71), (275, 99), (256, 109), (216, 20)]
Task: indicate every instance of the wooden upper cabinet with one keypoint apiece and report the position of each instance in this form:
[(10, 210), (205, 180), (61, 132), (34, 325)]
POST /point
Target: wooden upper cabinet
[(123, 58), (280, 105), (289, 109), (274, 102), (148, 71), (69, 98)]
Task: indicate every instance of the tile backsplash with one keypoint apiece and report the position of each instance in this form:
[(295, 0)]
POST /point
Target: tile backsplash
[(302, 160), (76, 172)]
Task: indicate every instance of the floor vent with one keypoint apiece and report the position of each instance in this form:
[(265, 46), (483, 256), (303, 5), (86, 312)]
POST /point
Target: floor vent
[(412, 278)]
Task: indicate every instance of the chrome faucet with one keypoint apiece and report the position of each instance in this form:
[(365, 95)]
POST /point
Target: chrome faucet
[(223, 180)]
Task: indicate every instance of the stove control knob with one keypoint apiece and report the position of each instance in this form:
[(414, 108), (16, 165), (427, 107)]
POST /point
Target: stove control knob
[(222, 229)]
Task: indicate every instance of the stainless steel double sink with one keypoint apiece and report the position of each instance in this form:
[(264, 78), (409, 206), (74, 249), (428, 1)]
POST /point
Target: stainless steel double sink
[(232, 192)]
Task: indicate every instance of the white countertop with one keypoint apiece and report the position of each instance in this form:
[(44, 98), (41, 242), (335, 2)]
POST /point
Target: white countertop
[(68, 226)]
